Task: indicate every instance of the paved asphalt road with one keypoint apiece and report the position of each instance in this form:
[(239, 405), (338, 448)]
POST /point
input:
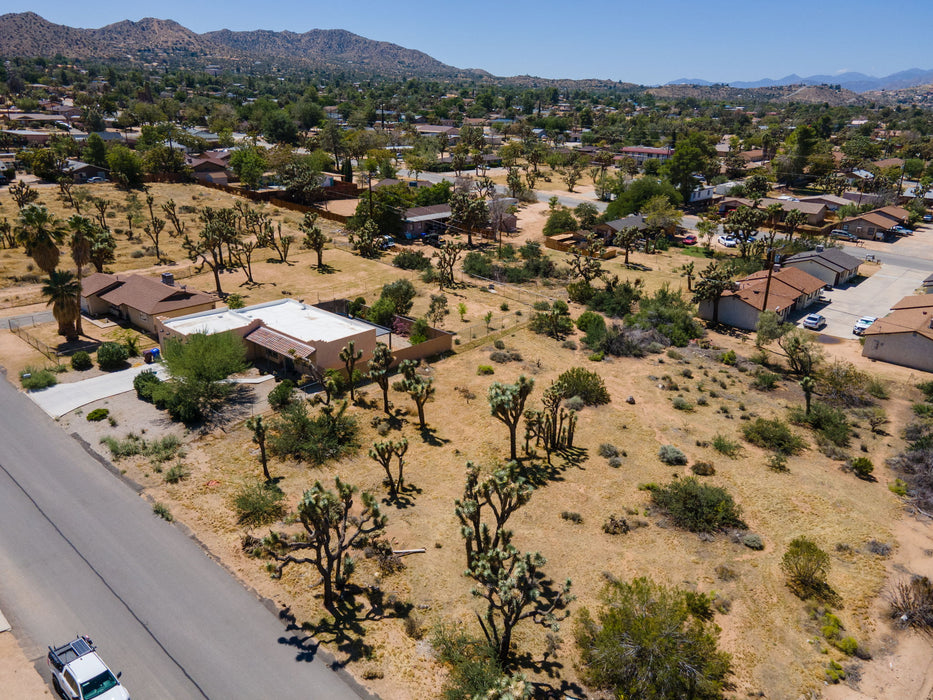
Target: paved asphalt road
[(81, 552)]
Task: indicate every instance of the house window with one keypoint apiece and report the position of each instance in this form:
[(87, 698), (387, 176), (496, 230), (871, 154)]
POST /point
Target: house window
[(845, 227), (871, 230)]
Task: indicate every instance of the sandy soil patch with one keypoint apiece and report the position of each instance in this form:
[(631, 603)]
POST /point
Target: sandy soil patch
[(18, 677)]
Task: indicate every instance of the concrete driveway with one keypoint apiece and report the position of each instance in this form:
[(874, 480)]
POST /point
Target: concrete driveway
[(64, 398)]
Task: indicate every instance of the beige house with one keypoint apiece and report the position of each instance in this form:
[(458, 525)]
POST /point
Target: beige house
[(830, 265), (139, 299), (300, 337), (789, 290), (905, 336), (814, 211)]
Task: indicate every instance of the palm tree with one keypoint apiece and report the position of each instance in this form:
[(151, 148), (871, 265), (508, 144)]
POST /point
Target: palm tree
[(64, 292), (40, 233), (82, 229)]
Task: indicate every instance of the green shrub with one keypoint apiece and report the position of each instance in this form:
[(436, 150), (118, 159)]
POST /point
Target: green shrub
[(696, 506), (862, 467), (144, 383), (258, 503), (574, 403), (774, 435), (81, 361), (588, 385), (753, 541), (128, 447), (571, 516), (830, 423), (596, 357), (671, 455), (847, 645), (608, 450), (474, 670), (98, 414), (806, 565), (412, 260), (36, 378), (282, 395), (419, 331), (703, 468), (898, 487), (235, 301), (329, 435), (777, 462), (765, 381), (729, 357), (681, 404), (484, 369), (725, 446), (927, 389), (111, 356), (382, 312), (162, 511), (923, 410), (176, 473)]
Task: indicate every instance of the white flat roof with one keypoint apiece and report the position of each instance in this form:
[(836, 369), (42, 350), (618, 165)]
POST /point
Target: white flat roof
[(302, 321)]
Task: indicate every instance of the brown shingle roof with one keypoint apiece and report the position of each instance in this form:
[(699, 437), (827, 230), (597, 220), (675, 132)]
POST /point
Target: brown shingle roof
[(144, 294), (792, 277), (919, 301), (97, 282), (279, 342), (917, 320)]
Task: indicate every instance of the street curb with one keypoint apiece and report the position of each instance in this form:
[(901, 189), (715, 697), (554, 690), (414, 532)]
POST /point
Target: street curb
[(280, 614)]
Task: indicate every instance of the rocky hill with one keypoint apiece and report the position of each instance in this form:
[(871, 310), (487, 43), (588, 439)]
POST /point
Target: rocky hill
[(28, 34), (776, 93)]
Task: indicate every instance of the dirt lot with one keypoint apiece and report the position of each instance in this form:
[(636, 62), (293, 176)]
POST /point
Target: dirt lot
[(766, 628)]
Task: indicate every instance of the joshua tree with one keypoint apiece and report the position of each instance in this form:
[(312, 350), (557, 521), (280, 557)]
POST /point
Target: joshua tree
[(379, 367), (383, 453), (507, 404), (350, 355), (259, 437)]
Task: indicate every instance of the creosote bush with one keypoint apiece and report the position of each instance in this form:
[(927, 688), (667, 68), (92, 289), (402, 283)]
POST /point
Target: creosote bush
[(723, 445), (806, 566), (671, 455), (773, 434), (588, 385), (258, 503), (696, 506)]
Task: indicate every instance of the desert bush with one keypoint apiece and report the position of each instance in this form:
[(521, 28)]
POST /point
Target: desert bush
[(36, 378), (726, 573), (843, 384), (729, 357), (644, 636), (923, 410), (588, 385), (773, 435), (862, 467), (671, 455), (608, 450), (499, 344), (258, 503), (144, 383), (830, 423), (616, 525), (911, 603), (571, 516), (484, 369), (81, 361), (474, 670), (569, 345), (765, 381), (703, 468), (98, 414), (777, 462), (412, 260), (806, 566), (723, 445), (696, 506), (681, 404), (329, 435), (162, 511), (176, 473), (282, 395), (882, 549), (753, 541), (111, 356), (574, 403), (615, 462)]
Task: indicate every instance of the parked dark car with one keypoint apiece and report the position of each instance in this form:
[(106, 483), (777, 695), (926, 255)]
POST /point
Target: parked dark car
[(432, 239)]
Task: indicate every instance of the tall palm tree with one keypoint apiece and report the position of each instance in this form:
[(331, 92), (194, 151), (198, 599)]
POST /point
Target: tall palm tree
[(64, 293), (82, 229), (40, 233)]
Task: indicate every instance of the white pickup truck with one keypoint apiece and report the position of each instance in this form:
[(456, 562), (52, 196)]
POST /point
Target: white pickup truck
[(78, 673)]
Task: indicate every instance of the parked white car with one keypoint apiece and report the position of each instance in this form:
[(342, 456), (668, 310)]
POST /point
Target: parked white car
[(863, 324), (728, 241), (814, 322)]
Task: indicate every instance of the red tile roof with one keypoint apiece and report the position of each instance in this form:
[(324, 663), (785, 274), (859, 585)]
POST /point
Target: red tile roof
[(279, 342)]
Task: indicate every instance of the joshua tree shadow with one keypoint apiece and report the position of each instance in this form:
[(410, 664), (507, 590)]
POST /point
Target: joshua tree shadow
[(429, 435), (325, 269)]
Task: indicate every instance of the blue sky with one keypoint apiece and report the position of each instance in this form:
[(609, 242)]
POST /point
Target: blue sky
[(640, 41)]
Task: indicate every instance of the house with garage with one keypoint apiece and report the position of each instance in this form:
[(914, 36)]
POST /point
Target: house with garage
[(831, 265), (814, 211), (787, 290), (904, 336), (303, 338), (610, 229), (81, 172), (208, 168), (418, 221), (831, 201), (139, 300)]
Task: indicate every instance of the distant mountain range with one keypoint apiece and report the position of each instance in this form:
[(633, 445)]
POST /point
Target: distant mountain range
[(856, 82), (28, 34)]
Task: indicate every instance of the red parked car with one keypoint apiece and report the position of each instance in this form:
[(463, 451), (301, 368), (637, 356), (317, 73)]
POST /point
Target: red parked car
[(690, 239)]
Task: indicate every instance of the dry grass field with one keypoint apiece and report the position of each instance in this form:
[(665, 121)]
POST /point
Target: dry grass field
[(773, 640)]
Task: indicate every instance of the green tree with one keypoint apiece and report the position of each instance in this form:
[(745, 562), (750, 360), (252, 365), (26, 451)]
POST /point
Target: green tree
[(248, 164), (258, 429), (40, 233), (103, 248), (332, 527), (692, 155), (125, 167), (713, 282), (419, 388), (793, 221), (652, 642), (806, 566), (401, 293), (743, 223), (95, 151), (379, 367), (349, 355), (560, 220), (808, 384), (383, 454), (314, 239), (507, 404), (80, 244), (63, 291), (199, 364)]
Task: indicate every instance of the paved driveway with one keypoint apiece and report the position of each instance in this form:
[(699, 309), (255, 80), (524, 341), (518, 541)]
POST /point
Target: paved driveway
[(63, 398)]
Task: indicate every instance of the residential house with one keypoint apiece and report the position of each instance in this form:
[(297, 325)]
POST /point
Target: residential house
[(905, 336), (831, 201), (610, 229), (301, 337), (208, 169), (420, 220), (643, 153), (80, 171), (873, 224), (861, 198), (139, 299), (788, 290), (831, 265), (814, 211), (927, 285)]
